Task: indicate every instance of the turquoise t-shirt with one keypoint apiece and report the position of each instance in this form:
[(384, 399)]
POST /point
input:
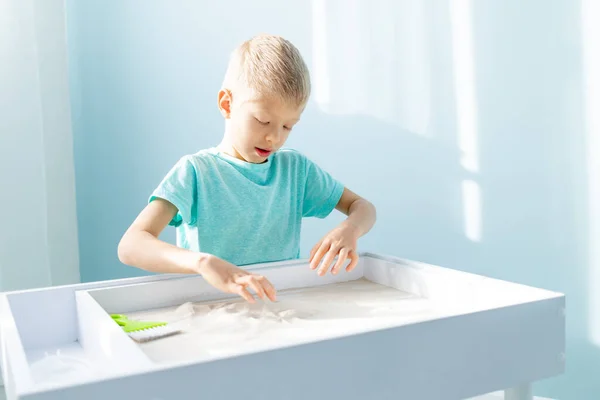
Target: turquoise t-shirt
[(242, 212)]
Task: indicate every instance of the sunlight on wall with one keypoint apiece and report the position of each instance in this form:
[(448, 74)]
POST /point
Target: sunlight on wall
[(466, 110), (591, 63), (372, 59), (320, 74), (472, 209), (462, 44), (6, 22)]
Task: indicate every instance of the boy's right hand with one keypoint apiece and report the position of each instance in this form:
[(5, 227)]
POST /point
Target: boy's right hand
[(231, 279)]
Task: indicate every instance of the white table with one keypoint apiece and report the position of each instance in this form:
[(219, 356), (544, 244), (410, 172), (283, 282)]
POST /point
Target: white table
[(484, 335)]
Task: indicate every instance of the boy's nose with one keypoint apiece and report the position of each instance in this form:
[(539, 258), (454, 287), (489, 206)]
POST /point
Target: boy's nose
[(274, 135)]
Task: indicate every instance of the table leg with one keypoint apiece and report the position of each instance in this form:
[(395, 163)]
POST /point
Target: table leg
[(522, 392)]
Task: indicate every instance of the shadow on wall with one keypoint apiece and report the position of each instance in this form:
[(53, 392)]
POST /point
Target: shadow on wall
[(384, 123), (466, 134), (470, 139)]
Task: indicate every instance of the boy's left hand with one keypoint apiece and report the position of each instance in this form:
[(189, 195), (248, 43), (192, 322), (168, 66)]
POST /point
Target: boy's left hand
[(341, 243)]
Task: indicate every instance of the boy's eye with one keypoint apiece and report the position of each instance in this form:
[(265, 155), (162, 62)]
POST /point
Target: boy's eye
[(287, 128), (261, 122)]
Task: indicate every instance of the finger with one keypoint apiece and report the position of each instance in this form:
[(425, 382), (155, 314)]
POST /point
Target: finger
[(333, 251), (269, 288), (314, 250), (319, 255), (256, 286), (241, 290), (342, 257), (353, 261)]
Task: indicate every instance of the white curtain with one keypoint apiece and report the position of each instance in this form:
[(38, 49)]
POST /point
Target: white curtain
[(38, 225)]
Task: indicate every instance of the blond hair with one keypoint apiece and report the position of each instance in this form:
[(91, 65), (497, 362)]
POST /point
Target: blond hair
[(269, 65)]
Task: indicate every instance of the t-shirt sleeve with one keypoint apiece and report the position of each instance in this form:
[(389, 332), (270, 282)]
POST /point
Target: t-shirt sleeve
[(179, 187), (321, 193)]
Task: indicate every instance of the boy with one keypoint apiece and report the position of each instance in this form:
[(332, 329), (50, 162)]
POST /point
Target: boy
[(242, 202)]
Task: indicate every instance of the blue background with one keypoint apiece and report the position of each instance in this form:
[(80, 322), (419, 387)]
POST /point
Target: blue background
[(395, 84)]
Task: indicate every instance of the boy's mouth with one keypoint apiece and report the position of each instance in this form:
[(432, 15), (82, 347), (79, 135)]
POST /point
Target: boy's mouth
[(262, 152)]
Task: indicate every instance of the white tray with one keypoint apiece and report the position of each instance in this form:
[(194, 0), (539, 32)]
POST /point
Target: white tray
[(477, 335)]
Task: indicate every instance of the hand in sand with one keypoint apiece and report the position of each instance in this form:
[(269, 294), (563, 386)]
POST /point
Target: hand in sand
[(341, 243), (231, 279)]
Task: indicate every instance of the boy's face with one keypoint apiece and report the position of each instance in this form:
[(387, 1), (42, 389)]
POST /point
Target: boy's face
[(257, 125)]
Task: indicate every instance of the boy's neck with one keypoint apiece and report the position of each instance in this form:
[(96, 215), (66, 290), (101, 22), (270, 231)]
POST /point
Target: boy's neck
[(228, 149)]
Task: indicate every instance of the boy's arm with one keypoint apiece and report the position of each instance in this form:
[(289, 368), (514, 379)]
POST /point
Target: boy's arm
[(341, 242), (361, 213), (141, 247)]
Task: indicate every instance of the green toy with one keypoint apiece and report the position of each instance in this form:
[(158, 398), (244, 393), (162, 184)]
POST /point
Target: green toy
[(143, 331)]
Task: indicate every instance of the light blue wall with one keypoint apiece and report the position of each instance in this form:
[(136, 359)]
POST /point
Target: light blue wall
[(38, 228), (400, 89)]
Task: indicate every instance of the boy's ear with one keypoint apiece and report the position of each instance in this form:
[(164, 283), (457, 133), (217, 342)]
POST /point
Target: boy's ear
[(224, 102)]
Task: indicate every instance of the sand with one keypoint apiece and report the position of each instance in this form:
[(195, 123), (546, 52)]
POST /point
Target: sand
[(237, 327)]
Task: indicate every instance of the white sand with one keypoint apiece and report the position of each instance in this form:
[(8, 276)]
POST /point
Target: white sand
[(237, 327), (62, 365)]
